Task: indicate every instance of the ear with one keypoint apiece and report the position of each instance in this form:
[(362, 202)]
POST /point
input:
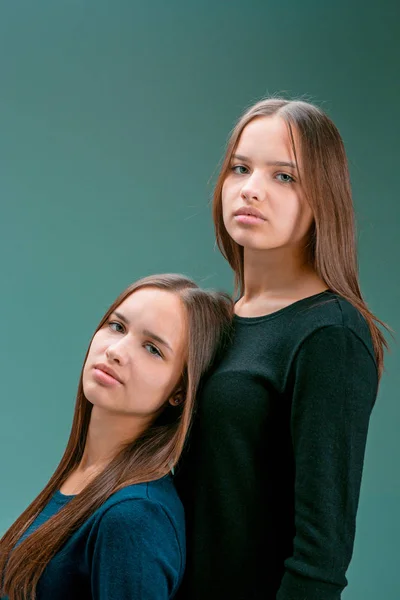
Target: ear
[(176, 399)]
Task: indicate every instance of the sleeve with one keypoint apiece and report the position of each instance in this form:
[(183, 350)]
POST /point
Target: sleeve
[(136, 554), (334, 389)]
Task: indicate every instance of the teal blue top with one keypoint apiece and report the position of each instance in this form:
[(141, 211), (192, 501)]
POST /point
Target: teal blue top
[(131, 548)]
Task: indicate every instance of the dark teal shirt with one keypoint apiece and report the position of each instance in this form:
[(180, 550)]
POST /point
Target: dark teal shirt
[(131, 548)]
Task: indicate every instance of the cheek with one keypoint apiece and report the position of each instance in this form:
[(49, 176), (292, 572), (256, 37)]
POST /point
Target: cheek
[(149, 374), (159, 380), (292, 211), (305, 217), (96, 351), (230, 190), (224, 199), (101, 341), (86, 378), (301, 222), (93, 350), (226, 203)]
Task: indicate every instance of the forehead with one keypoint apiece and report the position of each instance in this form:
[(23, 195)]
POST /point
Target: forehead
[(266, 137), (159, 311)]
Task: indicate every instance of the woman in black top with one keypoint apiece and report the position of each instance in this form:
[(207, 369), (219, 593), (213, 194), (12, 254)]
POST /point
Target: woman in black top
[(271, 478)]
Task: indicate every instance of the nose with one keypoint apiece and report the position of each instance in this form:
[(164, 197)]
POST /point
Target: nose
[(253, 189), (117, 353)]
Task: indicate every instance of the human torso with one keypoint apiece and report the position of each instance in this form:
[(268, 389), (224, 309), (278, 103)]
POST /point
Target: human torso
[(75, 573), (237, 479)]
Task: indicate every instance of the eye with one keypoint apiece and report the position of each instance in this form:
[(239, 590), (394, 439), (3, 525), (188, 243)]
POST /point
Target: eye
[(240, 170), (285, 178), (152, 349), (116, 326)]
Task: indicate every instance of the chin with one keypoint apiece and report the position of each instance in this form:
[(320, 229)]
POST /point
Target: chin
[(249, 241), (91, 398), (255, 240), (96, 395)]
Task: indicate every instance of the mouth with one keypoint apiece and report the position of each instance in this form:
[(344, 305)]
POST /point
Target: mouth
[(249, 216), (106, 374)]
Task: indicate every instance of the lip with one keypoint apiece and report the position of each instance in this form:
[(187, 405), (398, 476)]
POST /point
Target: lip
[(248, 211), (110, 374)]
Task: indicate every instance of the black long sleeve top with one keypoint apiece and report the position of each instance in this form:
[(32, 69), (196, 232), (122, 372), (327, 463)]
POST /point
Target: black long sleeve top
[(271, 477)]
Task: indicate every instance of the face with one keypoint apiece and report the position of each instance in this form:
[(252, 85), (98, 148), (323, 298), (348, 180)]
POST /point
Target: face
[(262, 202), (136, 359)]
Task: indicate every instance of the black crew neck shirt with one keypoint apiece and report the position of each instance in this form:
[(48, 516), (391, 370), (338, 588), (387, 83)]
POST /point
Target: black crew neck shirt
[(271, 475)]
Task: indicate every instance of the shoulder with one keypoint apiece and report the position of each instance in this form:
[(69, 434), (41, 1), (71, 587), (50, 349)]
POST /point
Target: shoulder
[(159, 495), (323, 310), (334, 352), (145, 505), (327, 315), (137, 533)]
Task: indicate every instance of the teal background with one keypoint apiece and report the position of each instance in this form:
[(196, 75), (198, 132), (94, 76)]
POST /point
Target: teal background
[(113, 118)]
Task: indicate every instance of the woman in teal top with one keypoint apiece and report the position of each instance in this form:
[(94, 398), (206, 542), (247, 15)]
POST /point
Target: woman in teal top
[(109, 524)]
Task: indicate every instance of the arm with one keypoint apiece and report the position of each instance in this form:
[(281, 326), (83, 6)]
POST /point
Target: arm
[(136, 554), (335, 386)]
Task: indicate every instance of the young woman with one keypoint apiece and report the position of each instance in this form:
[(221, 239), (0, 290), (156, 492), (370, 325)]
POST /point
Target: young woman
[(109, 524), (272, 476)]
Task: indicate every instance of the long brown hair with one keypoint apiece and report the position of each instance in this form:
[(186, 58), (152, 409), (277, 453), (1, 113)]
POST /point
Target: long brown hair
[(326, 183), (148, 458)]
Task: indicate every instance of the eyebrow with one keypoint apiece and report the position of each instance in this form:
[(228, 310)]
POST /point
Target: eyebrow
[(146, 332), (274, 163)]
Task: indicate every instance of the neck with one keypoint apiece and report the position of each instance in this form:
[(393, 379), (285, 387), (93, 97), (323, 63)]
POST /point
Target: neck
[(107, 433), (279, 274)]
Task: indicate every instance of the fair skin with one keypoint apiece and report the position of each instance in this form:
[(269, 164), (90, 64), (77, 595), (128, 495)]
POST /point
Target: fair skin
[(264, 178), (132, 371)]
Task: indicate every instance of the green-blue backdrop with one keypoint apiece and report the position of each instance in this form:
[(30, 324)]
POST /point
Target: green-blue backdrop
[(113, 118)]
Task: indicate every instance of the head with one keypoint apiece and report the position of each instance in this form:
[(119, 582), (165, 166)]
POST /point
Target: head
[(137, 358), (263, 207), (284, 184), (146, 360), (285, 161), (149, 352)]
